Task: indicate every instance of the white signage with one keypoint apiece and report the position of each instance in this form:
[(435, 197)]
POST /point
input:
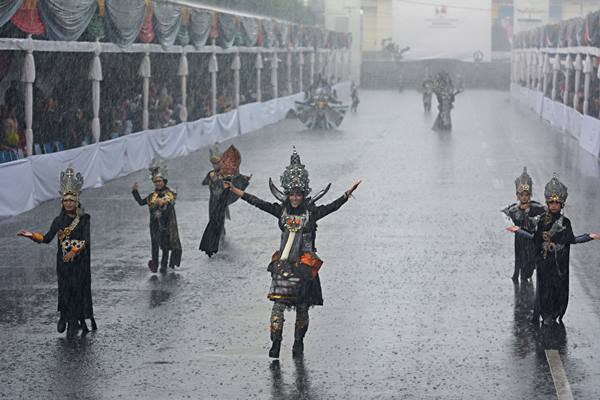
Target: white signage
[(453, 29)]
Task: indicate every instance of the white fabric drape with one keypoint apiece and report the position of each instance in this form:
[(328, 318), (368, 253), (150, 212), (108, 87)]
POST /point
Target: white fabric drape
[(104, 161)]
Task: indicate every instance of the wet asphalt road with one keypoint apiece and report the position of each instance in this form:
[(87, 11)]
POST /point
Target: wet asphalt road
[(418, 300)]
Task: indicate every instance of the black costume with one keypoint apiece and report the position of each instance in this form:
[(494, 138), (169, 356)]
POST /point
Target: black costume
[(427, 94), (355, 99), (164, 233), (220, 199), (74, 277), (445, 93), (294, 267), (553, 239), (526, 218)]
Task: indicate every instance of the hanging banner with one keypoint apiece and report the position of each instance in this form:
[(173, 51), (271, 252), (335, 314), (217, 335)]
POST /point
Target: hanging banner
[(452, 29)]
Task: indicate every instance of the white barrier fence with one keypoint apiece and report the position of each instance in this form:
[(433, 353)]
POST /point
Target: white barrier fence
[(30, 181), (584, 128)]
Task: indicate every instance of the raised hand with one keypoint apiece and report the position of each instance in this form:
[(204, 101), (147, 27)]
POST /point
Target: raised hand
[(595, 236), (513, 229), (353, 188), (25, 233), (135, 187)]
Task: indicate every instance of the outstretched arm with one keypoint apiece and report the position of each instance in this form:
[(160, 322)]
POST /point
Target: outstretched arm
[(39, 237), (271, 208), (586, 237), (325, 210)]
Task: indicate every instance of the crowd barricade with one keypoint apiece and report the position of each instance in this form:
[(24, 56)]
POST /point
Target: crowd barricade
[(35, 179), (585, 128)]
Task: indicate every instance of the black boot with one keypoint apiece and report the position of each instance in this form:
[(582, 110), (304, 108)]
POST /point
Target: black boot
[(298, 348), (61, 325), (94, 326), (164, 262), (84, 328), (72, 328), (276, 346)]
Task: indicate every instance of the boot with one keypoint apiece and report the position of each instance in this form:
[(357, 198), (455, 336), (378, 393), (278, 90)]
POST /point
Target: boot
[(72, 328), (61, 325), (276, 346), (94, 326), (84, 328), (164, 262), (298, 348)]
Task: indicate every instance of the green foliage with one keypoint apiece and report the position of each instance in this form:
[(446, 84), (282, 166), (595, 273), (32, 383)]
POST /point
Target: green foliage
[(291, 10)]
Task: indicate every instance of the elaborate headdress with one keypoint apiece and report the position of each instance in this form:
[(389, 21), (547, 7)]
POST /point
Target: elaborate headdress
[(231, 161), (556, 191), (158, 169), (524, 183), (71, 184), (295, 179), (215, 154)]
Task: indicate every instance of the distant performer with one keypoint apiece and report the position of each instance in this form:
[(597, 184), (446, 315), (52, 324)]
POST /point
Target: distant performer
[(524, 214), (445, 93), (355, 99), (164, 234), (552, 239), (226, 167), (427, 87), (72, 226)]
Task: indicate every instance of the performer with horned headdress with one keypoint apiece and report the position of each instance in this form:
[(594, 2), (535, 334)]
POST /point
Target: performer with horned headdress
[(444, 90), (525, 215), (72, 226), (226, 166), (163, 221), (553, 238), (295, 266)]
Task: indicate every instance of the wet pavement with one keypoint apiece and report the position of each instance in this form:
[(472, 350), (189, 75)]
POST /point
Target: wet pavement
[(418, 298)]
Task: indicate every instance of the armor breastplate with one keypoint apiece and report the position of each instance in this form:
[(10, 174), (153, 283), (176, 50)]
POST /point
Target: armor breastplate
[(294, 241)]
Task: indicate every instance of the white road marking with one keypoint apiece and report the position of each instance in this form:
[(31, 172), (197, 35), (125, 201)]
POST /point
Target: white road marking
[(559, 376)]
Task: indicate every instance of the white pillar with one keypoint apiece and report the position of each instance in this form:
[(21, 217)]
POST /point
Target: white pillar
[(311, 75), (568, 68), (28, 78), (289, 73), (235, 66), (213, 68), (183, 73), (532, 70), (301, 73), (146, 72), (259, 67), (587, 70), (578, 66), (95, 75), (541, 78), (555, 70), (546, 70), (274, 77)]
